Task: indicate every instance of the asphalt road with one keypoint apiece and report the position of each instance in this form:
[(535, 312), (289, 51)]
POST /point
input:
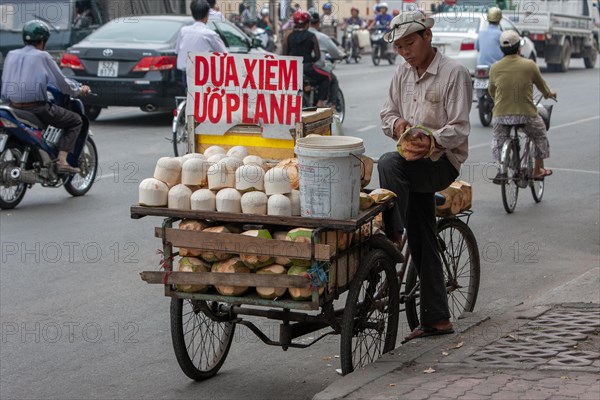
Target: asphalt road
[(77, 321)]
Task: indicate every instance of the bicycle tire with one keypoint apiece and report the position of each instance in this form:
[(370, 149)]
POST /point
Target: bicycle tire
[(454, 237), (190, 342), (180, 139), (371, 314), (537, 187), (510, 166)]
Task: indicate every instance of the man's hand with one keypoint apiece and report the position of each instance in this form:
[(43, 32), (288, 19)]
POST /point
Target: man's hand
[(552, 94), (85, 90), (417, 146), (399, 127)]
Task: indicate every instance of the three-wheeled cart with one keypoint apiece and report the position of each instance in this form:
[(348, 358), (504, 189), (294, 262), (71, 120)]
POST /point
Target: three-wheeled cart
[(203, 324)]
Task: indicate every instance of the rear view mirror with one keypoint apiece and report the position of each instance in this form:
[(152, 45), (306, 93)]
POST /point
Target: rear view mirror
[(256, 42)]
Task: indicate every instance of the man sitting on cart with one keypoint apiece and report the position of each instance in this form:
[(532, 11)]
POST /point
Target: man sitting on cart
[(432, 90)]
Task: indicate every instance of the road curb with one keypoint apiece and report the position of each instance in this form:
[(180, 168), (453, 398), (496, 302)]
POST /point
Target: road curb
[(397, 359)]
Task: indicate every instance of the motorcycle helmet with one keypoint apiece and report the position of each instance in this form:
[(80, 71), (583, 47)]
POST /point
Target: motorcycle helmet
[(35, 31), (314, 17), (264, 11), (383, 5), (301, 17), (354, 9), (327, 6), (395, 12), (494, 15)]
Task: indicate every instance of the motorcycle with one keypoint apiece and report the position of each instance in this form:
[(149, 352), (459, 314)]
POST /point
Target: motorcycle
[(28, 151), (379, 47), (485, 103), (310, 93), (350, 43)]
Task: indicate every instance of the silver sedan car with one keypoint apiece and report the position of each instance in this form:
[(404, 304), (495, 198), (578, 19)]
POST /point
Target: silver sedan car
[(455, 34)]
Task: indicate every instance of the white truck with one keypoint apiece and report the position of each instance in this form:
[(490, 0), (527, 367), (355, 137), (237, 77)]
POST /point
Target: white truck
[(560, 29)]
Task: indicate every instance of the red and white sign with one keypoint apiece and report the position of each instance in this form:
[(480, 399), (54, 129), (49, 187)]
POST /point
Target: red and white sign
[(229, 89)]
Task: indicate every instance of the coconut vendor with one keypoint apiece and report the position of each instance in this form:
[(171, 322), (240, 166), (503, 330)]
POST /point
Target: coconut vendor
[(435, 92)]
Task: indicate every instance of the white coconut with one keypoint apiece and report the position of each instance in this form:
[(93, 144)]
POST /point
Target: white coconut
[(179, 197), (204, 200), (214, 150), (253, 160), (153, 193), (249, 177), (168, 170), (231, 162), (194, 155), (238, 152), (195, 171), (277, 181), (229, 200), (294, 197), (220, 176), (254, 203), (216, 158), (279, 204)]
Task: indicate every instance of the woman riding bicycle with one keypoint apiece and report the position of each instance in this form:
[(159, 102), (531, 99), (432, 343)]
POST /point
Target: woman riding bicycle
[(511, 86)]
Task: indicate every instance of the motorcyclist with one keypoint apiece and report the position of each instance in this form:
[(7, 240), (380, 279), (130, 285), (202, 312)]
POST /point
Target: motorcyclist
[(353, 20), (27, 73), (488, 41), (329, 21), (381, 20), (265, 22), (327, 46), (302, 43), (511, 86)]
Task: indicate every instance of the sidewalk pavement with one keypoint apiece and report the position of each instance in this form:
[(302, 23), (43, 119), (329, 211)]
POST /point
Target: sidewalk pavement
[(548, 348)]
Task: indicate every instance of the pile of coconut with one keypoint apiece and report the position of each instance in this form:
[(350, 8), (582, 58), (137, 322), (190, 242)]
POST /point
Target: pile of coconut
[(207, 261), (228, 181)]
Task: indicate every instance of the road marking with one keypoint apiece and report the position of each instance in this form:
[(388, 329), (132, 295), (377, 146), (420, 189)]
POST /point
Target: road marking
[(477, 146), (366, 128), (576, 170), (575, 122)]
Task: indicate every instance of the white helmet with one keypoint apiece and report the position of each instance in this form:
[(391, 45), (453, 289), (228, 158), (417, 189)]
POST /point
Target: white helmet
[(381, 5), (264, 11)]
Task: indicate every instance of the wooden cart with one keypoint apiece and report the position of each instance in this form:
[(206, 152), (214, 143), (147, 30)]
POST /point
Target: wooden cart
[(203, 325)]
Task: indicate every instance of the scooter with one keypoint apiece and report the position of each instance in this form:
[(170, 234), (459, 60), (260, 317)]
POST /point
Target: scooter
[(379, 47), (350, 43), (485, 103), (29, 149)]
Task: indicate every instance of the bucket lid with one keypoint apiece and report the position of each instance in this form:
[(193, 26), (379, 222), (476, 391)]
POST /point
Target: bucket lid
[(317, 142)]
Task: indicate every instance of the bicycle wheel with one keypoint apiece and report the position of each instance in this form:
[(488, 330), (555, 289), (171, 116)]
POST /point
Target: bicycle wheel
[(201, 338), (180, 137), (370, 319), (510, 166), (460, 260), (537, 187)]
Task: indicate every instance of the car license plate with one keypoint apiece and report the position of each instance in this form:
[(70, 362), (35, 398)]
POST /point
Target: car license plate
[(3, 140), (480, 84), (108, 68)]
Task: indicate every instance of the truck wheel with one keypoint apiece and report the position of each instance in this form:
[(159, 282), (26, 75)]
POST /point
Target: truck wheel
[(566, 57), (590, 60)]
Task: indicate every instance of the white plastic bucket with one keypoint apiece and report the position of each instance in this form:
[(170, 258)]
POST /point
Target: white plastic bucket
[(329, 175)]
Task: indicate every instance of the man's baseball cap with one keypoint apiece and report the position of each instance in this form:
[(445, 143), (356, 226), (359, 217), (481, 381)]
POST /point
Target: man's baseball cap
[(509, 38), (406, 23)]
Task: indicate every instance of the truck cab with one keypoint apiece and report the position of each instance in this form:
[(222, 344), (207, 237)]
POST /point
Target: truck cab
[(69, 22)]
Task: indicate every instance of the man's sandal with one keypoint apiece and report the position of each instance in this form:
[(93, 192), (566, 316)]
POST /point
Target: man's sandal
[(424, 331)]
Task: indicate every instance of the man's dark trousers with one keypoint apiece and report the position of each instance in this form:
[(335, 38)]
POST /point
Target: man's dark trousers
[(415, 184)]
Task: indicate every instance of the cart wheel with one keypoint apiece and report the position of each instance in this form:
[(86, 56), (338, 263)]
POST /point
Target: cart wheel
[(200, 339), (460, 260), (370, 320)]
